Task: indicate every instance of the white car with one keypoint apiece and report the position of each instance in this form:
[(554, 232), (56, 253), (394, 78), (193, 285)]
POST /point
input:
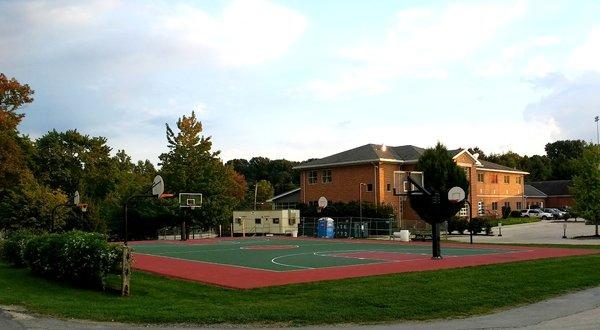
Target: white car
[(537, 213)]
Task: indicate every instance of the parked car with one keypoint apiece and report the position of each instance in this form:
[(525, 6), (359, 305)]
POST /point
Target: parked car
[(555, 213), (559, 214), (537, 213)]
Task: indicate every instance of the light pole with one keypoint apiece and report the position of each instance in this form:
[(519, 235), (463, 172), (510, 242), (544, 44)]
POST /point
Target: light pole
[(597, 119), (255, 193), (360, 185)]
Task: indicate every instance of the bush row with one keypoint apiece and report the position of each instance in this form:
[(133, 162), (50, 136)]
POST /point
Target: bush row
[(477, 225), (81, 258)]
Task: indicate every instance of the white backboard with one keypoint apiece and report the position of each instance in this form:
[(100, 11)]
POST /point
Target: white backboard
[(401, 184), (158, 186)]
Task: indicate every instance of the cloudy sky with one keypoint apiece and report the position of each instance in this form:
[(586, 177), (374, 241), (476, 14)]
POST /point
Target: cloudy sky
[(299, 79)]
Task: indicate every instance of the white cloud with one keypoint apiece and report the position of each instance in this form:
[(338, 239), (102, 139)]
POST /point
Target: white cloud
[(520, 58), (421, 43), (571, 104), (538, 66), (141, 36), (587, 56), (248, 32)]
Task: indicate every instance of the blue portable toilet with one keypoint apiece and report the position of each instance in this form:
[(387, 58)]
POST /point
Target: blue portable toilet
[(325, 228)]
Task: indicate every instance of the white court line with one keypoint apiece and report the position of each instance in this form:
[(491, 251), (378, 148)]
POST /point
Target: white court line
[(288, 265)]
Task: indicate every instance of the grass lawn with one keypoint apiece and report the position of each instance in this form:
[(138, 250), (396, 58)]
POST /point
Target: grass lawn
[(409, 296), (515, 221)]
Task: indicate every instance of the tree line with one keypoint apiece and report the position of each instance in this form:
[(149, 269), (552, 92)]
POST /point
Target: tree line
[(39, 175), (559, 162)]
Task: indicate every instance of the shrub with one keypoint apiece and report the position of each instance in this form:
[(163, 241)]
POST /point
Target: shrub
[(14, 247), (78, 257), (458, 224), (515, 214), (481, 224)]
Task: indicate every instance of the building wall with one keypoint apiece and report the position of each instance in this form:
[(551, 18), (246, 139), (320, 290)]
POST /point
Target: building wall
[(346, 183), (560, 201), (488, 192), (344, 186)]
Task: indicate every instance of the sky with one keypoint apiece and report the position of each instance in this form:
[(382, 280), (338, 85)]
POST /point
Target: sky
[(304, 79)]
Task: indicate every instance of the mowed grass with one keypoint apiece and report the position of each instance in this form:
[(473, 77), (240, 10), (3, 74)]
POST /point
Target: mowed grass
[(409, 296), (516, 221)]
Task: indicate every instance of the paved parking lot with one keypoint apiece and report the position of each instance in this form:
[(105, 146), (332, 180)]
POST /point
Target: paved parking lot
[(542, 232)]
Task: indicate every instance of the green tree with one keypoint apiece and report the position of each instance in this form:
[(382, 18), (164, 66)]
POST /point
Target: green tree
[(586, 185), (563, 156), (264, 191), (440, 174), (191, 166), (71, 161), (13, 96)]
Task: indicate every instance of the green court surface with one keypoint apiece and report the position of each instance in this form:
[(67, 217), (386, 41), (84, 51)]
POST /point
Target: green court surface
[(283, 255)]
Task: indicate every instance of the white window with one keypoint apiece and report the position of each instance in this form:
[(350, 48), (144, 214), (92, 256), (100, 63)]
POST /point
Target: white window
[(312, 177), (326, 176)]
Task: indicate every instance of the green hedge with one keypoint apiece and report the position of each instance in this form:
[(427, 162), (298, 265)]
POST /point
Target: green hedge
[(78, 257), (14, 247), (84, 259)]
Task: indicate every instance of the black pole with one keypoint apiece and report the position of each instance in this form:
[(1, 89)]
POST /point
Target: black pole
[(470, 218), (435, 236)]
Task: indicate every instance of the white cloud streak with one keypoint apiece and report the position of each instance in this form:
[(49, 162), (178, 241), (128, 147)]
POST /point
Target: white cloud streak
[(421, 44)]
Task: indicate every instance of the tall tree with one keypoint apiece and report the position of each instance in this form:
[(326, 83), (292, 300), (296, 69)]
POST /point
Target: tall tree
[(586, 185), (13, 95), (190, 165), (563, 156)]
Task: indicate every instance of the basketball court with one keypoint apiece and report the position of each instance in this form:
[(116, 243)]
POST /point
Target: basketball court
[(271, 261)]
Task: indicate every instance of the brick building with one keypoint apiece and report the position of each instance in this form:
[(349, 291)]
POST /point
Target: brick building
[(367, 172), (553, 193)]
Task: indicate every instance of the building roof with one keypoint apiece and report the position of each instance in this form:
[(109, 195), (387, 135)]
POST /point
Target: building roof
[(531, 191), (494, 166), (553, 187), (375, 153), (288, 196)]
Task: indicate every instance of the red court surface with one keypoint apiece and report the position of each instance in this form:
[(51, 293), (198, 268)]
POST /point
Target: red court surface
[(371, 262)]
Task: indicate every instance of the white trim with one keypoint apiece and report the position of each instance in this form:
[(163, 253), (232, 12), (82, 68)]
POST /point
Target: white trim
[(477, 162), (502, 171), (282, 195)]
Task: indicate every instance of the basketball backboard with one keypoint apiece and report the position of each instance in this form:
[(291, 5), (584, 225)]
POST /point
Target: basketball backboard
[(158, 186), (191, 200), (403, 187)]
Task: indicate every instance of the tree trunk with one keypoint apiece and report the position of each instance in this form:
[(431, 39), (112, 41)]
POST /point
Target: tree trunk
[(596, 228), (435, 240)]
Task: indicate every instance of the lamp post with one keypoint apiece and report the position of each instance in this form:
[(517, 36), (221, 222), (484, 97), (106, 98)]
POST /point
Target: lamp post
[(597, 119), (360, 185)]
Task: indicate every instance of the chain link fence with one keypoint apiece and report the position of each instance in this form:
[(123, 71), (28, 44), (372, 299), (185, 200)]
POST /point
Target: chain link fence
[(174, 233)]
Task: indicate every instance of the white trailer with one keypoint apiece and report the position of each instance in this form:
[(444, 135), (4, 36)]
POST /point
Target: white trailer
[(281, 222)]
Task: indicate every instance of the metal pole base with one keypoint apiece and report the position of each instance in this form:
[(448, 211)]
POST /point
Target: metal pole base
[(437, 258)]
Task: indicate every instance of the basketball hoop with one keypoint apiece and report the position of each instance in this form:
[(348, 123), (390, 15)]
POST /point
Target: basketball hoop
[(456, 195)]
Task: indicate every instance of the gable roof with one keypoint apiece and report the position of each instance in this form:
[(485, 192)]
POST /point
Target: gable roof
[(360, 155), (406, 154), (531, 191), (553, 187), (292, 195)]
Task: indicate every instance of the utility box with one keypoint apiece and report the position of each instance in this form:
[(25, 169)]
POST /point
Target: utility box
[(280, 222)]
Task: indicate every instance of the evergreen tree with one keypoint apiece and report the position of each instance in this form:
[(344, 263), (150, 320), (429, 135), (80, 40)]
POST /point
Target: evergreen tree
[(440, 175)]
